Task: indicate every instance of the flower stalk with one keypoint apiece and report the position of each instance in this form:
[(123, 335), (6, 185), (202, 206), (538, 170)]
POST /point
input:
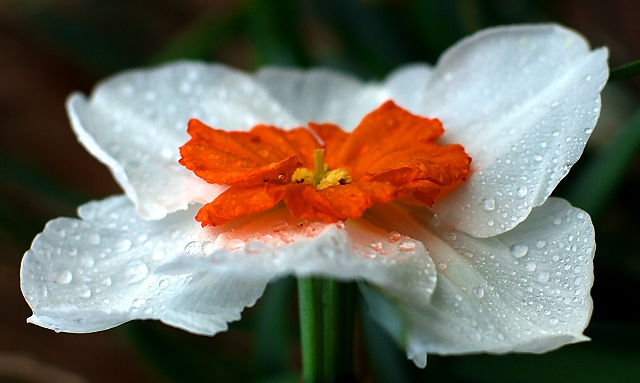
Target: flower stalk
[(326, 329)]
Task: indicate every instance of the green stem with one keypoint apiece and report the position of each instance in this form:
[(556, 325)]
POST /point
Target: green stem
[(326, 329)]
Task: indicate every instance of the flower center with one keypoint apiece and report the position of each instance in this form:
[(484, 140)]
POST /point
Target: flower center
[(323, 177), (391, 155)]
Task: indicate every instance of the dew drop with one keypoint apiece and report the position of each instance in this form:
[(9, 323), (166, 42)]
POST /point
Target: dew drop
[(522, 191), (138, 302), (442, 265), (136, 271), (235, 244), (407, 245), (94, 239), (63, 277), (477, 292), (376, 246), (106, 281), (87, 261), (519, 250), (208, 248), (83, 291), (122, 245), (588, 78), (488, 204), (280, 226), (544, 277), (531, 267), (557, 221), (164, 283), (193, 249), (394, 236), (254, 247), (490, 222), (541, 243), (453, 236)]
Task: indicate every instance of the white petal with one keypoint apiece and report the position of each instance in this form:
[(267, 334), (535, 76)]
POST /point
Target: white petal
[(526, 290), (106, 268), (273, 244), (522, 101), (322, 95), (408, 85), (136, 121)]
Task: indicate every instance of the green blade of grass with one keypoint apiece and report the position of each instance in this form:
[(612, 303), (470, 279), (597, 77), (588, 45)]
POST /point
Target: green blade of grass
[(625, 71)]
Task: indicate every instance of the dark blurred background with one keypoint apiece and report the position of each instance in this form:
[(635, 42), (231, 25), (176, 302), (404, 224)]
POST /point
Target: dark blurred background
[(49, 48)]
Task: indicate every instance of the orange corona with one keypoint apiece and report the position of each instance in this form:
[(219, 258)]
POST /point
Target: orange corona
[(390, 155)]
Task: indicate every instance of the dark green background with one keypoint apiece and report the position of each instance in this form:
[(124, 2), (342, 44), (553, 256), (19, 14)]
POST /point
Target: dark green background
[(49, 48)]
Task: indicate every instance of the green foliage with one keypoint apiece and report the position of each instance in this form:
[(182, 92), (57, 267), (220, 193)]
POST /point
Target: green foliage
[(368, 38)]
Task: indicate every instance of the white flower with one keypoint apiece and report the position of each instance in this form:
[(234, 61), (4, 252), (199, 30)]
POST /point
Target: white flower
[(501, 268)]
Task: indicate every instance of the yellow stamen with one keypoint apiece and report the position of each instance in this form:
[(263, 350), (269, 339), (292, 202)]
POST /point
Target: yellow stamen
[(303, 176), (334, 178)]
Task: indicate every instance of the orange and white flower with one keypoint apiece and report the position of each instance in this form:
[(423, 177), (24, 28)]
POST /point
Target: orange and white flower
[(493, 265)]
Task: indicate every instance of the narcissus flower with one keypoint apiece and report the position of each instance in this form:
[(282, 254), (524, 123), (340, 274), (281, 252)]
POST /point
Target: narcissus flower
[(474, 259)]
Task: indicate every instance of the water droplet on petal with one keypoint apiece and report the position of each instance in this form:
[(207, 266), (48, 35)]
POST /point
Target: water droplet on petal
[(376, 245), (164, 283), (490, 222), (557, 221), (488, 204), (83, 291), (106, 281), (208, 248), (139, 302), (193, 249), (544, 277), (477, 292), (136, 271), (442, 265), (234, 244), (94, 239), (531, 266), (63, 277), (394, 236), (453, 236), (519, 250), (254, 247), (541, 243), (87, 261), (522, 191), (407, 245), (122, 245)]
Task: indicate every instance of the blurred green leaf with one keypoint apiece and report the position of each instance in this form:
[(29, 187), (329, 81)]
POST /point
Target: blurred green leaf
[(273, 330), (385, 357), (594, 187), (28, 198), (204, 38), (368, 34), (186, 358), (625, 71), (612, 356), (275, 30)]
